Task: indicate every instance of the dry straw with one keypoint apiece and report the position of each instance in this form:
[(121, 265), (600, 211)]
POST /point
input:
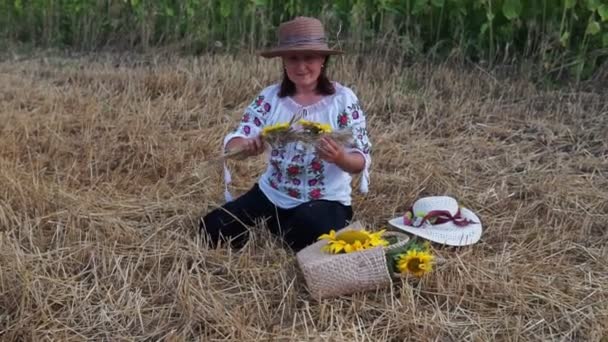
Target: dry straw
[(99, 211)]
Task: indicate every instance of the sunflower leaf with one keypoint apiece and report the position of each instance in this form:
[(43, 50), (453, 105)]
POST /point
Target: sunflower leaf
[(396, 252), (391, 240), (391, 263)]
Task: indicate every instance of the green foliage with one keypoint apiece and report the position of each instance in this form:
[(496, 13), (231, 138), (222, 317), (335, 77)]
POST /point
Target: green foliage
[(511, 9), (555, 33)]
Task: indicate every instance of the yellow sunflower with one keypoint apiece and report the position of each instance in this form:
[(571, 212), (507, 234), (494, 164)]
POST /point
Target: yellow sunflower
[(352, 241), (316, 127), (416, 262), (276, 128)]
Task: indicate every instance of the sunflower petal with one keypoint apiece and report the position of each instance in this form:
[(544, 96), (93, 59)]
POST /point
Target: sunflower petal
[(330, 236)]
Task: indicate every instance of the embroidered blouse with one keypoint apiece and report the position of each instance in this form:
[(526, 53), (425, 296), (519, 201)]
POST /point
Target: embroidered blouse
[(296, 174)]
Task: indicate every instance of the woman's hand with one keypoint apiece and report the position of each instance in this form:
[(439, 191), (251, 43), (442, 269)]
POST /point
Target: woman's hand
[(254, 146), (250, 146), (330, 151)]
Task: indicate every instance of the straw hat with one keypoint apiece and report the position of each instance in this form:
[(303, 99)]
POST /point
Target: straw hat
[(302, 34), (440, 219)]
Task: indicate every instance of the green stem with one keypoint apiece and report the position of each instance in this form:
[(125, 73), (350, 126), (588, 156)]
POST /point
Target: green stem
[(439, 22), (491, 21), (583, 51), (561, 26), (407, 18)]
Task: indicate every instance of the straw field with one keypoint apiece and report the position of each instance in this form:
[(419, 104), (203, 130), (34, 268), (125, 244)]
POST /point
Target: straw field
[(102, 181)]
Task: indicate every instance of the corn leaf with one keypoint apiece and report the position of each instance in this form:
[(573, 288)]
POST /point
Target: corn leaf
[(593, 28), (603, 12), (512, 9)]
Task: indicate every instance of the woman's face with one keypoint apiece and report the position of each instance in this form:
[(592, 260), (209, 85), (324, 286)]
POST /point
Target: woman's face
[(303, 69)]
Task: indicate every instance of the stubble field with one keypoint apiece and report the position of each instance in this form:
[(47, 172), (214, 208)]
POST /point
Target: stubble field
[(103, 179)]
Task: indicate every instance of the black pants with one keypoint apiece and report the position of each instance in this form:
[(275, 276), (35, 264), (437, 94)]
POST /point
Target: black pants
[(299, 226)]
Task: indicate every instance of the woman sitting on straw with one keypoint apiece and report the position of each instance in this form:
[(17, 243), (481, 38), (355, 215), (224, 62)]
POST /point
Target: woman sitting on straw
[(304, 192)]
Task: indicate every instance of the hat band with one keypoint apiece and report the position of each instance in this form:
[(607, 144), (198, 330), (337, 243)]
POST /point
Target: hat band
[(440, 216), (297, 41)]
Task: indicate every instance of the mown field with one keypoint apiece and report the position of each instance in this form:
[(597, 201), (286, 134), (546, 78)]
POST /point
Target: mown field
[(103, 178)]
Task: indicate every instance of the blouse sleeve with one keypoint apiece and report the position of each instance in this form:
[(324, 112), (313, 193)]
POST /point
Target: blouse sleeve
[(253, 119), (251, 124), (353, 118)]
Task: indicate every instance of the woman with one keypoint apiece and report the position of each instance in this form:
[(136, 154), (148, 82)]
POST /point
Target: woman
[(304, 192)]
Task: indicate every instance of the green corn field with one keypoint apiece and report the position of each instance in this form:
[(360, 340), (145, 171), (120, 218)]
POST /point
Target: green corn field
[(113, 115), (559, 35)]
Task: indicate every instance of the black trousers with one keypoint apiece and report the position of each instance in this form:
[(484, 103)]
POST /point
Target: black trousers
[(298, 227)]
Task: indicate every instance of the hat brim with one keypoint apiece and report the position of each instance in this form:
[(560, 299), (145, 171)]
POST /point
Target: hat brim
[(302, 49), (446, 233)]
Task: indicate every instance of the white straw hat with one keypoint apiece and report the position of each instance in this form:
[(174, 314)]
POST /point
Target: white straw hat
[(440, 219)]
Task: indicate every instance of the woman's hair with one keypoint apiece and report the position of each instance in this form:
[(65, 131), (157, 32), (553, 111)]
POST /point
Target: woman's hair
[(324, 85)]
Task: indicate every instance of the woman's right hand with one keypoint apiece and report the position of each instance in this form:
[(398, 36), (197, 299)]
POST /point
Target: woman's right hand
[(250, 146), (254, 146)]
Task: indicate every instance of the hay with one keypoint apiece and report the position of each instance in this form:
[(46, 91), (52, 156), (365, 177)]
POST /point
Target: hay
[(98, 209)]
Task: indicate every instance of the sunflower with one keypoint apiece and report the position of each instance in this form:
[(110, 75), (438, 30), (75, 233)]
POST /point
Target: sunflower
[(352, 241), (315, 127), (416, 262), (276, 128)]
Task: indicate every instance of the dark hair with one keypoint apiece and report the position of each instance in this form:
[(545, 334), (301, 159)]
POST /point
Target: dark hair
[(324, 85)]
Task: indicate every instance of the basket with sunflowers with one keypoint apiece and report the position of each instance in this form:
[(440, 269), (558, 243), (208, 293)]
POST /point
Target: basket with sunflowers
[(354, 259)]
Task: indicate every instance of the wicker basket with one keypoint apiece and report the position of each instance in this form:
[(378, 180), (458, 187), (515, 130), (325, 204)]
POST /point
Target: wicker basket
[(331, 275)]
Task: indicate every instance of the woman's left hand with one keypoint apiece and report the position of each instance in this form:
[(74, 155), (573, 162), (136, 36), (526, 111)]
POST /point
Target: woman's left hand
[(330, 151)]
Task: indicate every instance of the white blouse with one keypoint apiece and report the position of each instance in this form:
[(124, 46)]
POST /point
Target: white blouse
[(296, 174)]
